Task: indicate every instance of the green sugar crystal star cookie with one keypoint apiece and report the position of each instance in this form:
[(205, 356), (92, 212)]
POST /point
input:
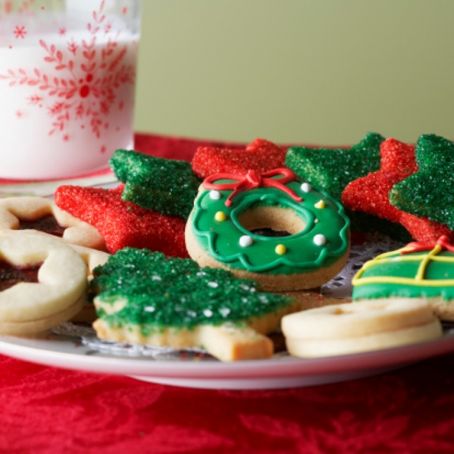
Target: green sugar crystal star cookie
[(167, 186), (331, 170), (430, 191), (137, 287)]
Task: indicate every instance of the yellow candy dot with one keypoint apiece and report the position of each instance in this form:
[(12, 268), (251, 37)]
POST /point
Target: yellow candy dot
[(220, 216), (320, 204), (280, 249)]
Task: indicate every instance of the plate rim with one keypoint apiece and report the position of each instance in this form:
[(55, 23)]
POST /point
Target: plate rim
[(285, 366)]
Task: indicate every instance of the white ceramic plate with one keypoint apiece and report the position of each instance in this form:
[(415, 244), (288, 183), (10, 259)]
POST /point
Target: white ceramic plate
[(76, 348)]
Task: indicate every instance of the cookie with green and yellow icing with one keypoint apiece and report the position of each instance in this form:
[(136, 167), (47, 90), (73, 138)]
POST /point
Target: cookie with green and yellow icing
[(418, 270), (142, 297), (269, 227)]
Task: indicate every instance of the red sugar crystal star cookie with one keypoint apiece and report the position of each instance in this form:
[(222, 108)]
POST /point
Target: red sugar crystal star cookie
[(259, 155), (370, 194), (123, 223)]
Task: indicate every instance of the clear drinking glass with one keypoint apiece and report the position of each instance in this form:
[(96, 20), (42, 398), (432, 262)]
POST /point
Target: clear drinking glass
[(67, 79)]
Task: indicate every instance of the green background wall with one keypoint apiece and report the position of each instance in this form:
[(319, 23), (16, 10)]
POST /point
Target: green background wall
[(314, 71)]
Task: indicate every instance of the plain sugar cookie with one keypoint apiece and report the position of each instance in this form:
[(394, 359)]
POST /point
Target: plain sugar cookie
[(39, 213), (43, 281), (361, 326)]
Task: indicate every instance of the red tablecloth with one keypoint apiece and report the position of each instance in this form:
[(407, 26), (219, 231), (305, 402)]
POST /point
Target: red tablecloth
[(51, 410)]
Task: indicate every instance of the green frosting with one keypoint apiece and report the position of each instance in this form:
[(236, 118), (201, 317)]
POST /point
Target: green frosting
[(167, 186), (165, 292), (390, 268), (332, 169), (222, 239), (430, 191)]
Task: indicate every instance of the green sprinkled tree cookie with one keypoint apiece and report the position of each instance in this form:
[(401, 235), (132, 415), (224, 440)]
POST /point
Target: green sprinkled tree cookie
[(331, 170), (430, 191), (145, 298), (167, 186)]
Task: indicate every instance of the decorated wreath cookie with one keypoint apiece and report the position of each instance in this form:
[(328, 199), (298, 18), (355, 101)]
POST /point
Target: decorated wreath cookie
[(358, 327), (423, 270), (38, 213), (268, 227), (145, 298), (42, 282)]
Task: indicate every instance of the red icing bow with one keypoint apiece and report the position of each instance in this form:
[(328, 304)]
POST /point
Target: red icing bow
[(252, 180), (419, 246)]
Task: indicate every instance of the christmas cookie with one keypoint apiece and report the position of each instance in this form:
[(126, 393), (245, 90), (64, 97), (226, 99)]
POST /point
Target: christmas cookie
[(166, 186), (42, 282), (38, 213), (331, 170), (268, 227), (429, 191), (146, 298), (260, 155), (370, 194), (358, 327), (91, 257), (419, 270), (123, 223)]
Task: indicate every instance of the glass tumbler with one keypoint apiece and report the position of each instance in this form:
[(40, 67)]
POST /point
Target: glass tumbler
[(67, 79)]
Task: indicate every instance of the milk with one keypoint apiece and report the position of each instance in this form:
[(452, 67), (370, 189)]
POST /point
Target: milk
[(66, 93)]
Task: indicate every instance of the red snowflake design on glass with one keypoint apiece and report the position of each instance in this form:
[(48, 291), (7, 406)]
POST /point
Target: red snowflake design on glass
[(20, 31), (80, 81)]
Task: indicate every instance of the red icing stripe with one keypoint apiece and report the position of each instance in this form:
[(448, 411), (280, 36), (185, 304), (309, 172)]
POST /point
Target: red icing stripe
[(252, 180)]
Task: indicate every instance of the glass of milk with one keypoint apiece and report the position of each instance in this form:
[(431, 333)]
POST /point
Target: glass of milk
[(67, 79)]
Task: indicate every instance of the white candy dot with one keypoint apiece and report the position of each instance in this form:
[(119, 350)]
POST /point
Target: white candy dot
[(306, 187), (149, 309), (224, 311), (319, 239), (208, 313), (213, 284), (245, 241), (215, 195)]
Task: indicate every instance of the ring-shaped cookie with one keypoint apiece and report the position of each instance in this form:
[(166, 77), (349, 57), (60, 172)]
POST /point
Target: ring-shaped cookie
[(29, 208), (43, 324), (357, 327), (62, 277), (91, 257), (227, 210)]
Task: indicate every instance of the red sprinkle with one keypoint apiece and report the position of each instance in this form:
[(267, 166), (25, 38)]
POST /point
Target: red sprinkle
[(123, 223), (369, 194), (260, 155)]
